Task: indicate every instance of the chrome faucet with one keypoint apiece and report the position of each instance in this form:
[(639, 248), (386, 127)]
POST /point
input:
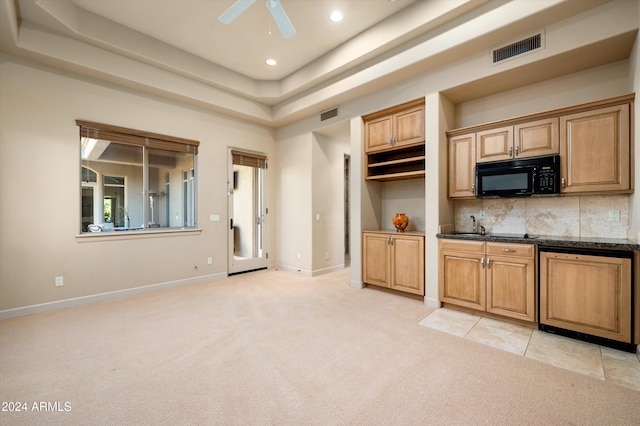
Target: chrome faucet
[(474, 224)]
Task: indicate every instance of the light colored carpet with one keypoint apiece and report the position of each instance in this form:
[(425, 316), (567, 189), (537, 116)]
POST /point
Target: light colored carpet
[(275, 348)]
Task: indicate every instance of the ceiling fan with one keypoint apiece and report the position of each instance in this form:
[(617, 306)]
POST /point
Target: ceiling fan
[(274, 6)]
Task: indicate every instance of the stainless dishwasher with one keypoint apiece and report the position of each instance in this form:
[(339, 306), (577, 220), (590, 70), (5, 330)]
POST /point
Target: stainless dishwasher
[(587, 294)]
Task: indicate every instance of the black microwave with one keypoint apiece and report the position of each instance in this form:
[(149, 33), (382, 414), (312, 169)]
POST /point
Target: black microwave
[(519, 178)]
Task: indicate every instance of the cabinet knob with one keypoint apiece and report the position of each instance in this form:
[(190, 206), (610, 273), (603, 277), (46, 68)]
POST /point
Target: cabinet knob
[(562, 182), (510, 151), (488, 263), (517, 150), (482, 262)]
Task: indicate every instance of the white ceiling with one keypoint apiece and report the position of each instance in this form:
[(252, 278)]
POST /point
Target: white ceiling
[(245, 44), (178, 49)]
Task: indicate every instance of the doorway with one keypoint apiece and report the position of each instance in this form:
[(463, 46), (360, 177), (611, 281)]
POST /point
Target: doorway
[(247, 182), (347, 215)]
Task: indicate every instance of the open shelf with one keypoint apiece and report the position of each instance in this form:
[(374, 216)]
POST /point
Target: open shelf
[(399, 163)]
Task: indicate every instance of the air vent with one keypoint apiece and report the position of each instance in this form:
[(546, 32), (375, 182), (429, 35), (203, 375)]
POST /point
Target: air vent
[(518, 48), (328, 114)]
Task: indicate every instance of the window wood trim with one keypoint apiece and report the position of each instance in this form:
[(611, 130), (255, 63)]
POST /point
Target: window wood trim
[(136, 137)]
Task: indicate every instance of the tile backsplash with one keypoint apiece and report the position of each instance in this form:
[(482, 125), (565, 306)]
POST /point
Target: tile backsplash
[(577, 216)]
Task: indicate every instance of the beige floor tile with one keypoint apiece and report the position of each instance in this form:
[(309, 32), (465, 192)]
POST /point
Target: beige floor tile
[(580, 357), (621, 368), (450, 321), (501, 335)]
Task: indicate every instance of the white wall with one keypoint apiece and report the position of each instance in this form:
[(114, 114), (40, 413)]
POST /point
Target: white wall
[(328, 202), (293, 233), (40, 204)]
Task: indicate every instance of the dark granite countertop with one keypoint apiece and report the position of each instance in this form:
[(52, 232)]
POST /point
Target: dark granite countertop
[(549, 240)]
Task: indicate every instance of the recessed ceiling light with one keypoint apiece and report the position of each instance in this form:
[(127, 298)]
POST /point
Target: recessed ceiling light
[(336, 16), (271, 62)]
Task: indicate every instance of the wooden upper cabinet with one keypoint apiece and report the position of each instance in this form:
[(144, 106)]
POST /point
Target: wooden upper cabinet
[(494, 144), (409, 126), (378, 133), (536, 138), (395, 127), (394, 142), (529, 139), (595, 150), (462, 165)]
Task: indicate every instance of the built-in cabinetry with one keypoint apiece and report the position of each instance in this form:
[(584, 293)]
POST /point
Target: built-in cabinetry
[(595, 150), (593, 141), (586, 294), (394, 142), (394, 260), (495, 277), (529, 139)]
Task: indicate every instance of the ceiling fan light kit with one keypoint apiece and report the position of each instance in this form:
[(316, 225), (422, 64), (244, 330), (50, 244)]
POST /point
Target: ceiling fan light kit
[(275, 8)]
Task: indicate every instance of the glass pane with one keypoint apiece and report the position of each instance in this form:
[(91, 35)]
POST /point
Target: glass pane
[(246, 213), (87, 207), (117, 198), (170, 208)]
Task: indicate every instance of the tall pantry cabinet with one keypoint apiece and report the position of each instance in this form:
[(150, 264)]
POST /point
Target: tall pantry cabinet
[(394, 150)]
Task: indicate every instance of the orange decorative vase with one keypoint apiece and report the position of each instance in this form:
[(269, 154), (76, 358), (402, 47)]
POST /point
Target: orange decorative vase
[(400, 221)]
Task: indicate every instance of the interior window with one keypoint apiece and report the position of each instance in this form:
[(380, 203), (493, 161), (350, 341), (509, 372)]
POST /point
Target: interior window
[(126, 181)]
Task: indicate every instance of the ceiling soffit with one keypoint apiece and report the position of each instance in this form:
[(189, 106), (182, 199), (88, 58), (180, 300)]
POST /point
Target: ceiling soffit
[(79, 41)]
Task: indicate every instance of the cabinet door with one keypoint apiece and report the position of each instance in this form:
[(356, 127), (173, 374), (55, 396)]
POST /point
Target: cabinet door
[(377, 134), (409, 127), (462, 166), (407, 264), (536, 138), (595, 150), (511, 287), (462, 278), (376, 259), (494, 144), (587, 294)]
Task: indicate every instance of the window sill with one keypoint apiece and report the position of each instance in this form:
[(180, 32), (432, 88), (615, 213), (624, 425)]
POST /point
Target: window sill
[(137, 234)]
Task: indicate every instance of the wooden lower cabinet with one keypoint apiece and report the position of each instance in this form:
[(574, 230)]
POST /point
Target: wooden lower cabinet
[(489, 276), (586, 294), (394, 261)]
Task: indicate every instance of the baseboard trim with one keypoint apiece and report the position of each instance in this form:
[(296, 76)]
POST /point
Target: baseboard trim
[(327, 270), (100, 297), (305, 272)]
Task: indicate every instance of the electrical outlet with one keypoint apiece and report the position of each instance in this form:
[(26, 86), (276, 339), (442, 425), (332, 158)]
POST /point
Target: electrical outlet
[(614, 215), (299, 256), (483, 215), (327, 255), (210, 261), (59, 281)]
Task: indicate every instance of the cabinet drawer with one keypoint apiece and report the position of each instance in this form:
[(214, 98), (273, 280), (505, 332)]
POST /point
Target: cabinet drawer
[(462, 246), (508, 249)]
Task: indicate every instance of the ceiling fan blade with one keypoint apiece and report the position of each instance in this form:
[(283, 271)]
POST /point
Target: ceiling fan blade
[(281, 18), (235, 10)]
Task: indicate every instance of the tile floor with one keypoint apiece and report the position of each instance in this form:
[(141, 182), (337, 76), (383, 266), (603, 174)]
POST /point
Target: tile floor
[(618, 367)]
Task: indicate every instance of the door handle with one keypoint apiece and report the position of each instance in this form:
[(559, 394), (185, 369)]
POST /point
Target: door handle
[(508, 250), (231, 223), (482, 262), (488, 263), (562, 182)]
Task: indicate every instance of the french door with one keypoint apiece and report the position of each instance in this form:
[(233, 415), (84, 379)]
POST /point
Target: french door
[(247, 182)]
